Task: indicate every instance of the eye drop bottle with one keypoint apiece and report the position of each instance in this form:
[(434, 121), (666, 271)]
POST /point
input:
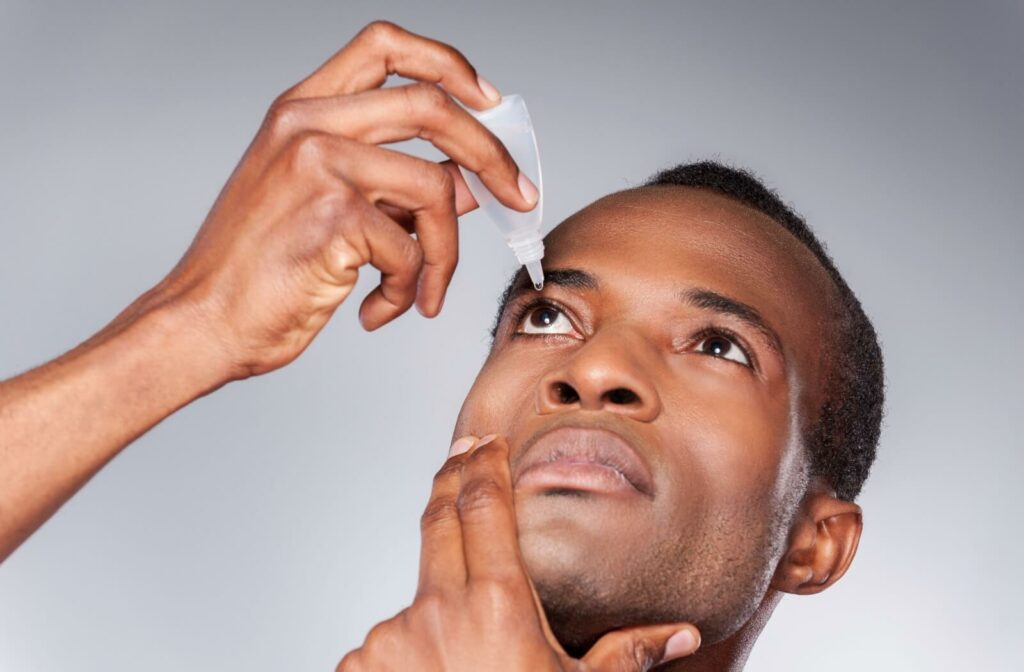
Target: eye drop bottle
[(510, 122)]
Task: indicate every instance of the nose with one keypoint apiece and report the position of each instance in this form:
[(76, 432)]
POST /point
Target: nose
[(606, 374)]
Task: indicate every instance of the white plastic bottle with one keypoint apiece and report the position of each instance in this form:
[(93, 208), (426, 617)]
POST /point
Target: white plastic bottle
[(510, 122)]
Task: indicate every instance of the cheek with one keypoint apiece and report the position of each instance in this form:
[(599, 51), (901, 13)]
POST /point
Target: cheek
[(729, 430), (501, 396)]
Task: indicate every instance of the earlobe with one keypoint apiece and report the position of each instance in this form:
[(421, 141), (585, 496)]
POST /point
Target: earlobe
[(822, 542)]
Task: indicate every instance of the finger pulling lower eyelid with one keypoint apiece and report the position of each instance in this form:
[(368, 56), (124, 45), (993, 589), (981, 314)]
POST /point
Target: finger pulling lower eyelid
[(461, 445)]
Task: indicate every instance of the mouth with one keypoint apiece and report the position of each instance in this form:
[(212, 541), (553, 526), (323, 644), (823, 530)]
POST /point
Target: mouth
[(578, 459)]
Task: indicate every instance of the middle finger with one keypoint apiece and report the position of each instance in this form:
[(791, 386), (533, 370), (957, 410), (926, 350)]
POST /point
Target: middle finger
[(442, 564), (426, 191), (406, 112), (489, 533)]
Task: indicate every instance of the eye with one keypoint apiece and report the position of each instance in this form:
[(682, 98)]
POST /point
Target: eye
[(723, 347), (544, 318)]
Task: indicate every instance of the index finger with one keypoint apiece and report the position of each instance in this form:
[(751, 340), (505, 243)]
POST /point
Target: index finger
[(441, 559), (490, 538), (383, 48)]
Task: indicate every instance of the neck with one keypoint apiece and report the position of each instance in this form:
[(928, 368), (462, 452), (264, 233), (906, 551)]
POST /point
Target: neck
[(730, 655)]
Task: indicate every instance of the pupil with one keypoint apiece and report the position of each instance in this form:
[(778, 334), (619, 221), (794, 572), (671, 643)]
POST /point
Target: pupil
[(717, 346), (544, 317)]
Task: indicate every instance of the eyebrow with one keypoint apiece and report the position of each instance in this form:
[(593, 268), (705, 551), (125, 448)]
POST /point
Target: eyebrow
[(707, 299), (697, 297)]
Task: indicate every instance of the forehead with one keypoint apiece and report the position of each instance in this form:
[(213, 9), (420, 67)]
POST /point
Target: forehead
[(647, 243), (675, 232)]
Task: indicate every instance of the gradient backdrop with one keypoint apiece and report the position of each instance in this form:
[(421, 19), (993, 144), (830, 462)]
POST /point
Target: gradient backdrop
[(270, 525)]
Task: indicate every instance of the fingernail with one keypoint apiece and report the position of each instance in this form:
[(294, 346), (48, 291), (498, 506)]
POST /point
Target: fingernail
[(488, 89), (484, 440), (683, 643), (528, 189), (461, 446)]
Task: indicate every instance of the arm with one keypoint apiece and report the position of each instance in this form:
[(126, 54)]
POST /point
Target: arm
[(312, 200), (60, 423)]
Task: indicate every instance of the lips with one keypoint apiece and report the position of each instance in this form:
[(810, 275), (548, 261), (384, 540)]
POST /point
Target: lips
[(583, 459)]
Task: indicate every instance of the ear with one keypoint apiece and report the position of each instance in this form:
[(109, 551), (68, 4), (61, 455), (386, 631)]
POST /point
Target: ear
[(823, 539)]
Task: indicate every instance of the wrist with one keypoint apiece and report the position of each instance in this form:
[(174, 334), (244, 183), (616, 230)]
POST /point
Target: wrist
[(178, 340)]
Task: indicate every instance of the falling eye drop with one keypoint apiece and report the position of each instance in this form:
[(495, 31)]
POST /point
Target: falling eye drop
[(510, 122)]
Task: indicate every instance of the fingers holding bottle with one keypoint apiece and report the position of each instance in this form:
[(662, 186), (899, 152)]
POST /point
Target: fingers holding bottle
[(314, 198)]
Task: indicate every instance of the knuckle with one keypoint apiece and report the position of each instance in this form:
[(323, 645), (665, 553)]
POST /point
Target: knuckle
[(430, 99), (640, 653), (445, 184), (478, 494), (428, 607), (307, 151), (379, 32), (283, 117), (378, 634), (451, 468), (439, 511), (413, 256), (352, 662), (437, 181), (335, 204)]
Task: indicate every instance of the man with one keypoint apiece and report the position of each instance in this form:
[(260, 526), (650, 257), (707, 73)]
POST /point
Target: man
[(673, 430)]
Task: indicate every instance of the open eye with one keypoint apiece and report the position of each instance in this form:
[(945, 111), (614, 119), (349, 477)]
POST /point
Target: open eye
[(723, 347), (544, 318)]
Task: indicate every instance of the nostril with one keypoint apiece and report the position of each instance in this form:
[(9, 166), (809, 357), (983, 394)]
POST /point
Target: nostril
[(621, 395), (566, 394)]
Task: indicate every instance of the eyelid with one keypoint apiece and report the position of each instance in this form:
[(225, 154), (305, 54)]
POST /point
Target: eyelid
[(519, 312), (708, 331)]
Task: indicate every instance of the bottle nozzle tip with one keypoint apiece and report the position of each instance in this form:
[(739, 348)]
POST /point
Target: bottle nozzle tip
[(536, 274)]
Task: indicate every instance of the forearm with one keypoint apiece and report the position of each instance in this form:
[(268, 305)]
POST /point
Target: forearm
[(60, 423)]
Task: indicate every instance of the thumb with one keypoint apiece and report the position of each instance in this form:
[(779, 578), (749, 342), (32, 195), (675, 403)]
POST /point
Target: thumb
[(464, 200), (639, 649)]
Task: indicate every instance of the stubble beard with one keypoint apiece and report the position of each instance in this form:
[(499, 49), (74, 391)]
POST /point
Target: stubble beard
[(715, 582)]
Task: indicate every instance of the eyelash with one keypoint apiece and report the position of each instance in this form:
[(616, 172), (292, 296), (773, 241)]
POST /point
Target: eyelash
[(731, 336), (702, 334), (524, 310)]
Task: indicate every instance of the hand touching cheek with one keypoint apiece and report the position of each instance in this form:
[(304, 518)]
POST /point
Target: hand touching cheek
[(475, 607)]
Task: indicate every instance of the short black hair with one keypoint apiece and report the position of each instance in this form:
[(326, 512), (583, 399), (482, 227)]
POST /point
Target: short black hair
[(842, 443)]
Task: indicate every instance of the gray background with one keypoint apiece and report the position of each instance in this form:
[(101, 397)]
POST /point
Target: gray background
[(270, 525)]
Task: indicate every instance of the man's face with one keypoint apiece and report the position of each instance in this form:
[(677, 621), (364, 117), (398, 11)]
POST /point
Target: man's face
[(653, 401)]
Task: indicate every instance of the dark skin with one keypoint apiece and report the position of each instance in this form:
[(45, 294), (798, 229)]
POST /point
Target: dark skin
[(722, 439), (730, 518), (687, 514)]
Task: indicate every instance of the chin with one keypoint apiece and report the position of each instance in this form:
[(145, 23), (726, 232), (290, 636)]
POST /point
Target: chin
[(599, 567), (579, 555), (576, 607), (577, 537)]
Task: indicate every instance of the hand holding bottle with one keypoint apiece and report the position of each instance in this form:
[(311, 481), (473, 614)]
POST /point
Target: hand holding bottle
[(314, 199)]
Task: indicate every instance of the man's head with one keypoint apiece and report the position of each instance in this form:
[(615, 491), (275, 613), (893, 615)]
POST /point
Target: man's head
[(692, 403)]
